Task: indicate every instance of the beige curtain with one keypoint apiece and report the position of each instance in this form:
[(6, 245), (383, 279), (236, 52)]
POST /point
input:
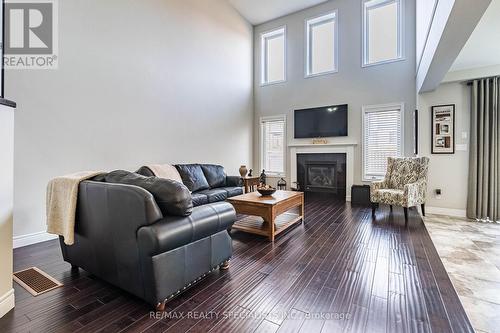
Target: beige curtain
[(484, 161)]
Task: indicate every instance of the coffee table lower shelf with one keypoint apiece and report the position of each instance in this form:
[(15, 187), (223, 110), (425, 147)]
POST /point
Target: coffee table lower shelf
[(257, 225)]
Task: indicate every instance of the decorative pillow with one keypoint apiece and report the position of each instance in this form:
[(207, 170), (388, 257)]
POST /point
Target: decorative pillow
[(193, 177), (173, 198), (215, 175), (165, 171)]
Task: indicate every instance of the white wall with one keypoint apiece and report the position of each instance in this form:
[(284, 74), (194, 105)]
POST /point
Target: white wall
[(448, 172), (354, 85), (6, 203), (138, 82)]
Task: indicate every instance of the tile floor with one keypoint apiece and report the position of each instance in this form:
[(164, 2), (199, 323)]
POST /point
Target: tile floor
[(470, 252)]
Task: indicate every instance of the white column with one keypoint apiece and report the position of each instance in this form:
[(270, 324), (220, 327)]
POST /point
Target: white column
[(6, 205)]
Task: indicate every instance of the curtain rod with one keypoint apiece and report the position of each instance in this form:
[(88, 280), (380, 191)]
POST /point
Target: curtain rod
[(469, 82)]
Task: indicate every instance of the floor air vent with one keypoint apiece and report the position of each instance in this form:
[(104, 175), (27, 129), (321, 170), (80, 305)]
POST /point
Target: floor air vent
[(36, 281)]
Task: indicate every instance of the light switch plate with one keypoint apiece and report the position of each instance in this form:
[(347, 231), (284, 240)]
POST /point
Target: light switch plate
[(461, 147)]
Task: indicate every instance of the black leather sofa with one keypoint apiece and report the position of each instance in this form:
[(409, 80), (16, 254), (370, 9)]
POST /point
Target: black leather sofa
[(152, 243), (208, 183)]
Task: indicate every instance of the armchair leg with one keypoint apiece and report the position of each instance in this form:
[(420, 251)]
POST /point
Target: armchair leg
[(406, 215), (390, 207), (374, 208), (423, 209)]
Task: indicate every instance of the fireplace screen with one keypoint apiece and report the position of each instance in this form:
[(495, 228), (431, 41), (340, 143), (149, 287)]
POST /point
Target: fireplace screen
[(321, 175)]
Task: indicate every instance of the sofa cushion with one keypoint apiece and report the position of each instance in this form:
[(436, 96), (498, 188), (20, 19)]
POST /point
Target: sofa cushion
[(390, 197), (232, 191), (193, 177), (199, 199), (233, 181), (215, 174), (173, 198), (215, 195)]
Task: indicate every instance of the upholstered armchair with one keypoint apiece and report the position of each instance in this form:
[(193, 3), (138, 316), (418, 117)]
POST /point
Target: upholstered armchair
[(405, 184)]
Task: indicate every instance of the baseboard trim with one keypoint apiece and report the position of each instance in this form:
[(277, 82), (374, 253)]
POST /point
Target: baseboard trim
[(446, 211), (7, 302), (37, 237)]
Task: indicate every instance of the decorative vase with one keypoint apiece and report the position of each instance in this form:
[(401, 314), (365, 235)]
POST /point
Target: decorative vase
[(243, 170), (250, 173)]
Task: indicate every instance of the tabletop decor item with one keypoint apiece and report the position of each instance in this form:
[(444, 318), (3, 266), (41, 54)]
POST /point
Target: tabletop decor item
[(263, 177), (243, 170), (250, 173), (266, 190), (282, 184)]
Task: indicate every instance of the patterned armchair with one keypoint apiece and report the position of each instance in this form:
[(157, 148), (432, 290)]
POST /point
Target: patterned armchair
[(405, 184)]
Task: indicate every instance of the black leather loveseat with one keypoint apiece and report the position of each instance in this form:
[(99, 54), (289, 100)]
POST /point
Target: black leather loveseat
[(208, 183), (143, 234)]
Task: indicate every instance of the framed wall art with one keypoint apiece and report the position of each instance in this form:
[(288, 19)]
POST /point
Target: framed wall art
[(443, 129)]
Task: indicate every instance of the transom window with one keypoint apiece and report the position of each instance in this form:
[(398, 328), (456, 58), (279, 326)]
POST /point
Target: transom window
[(321, 44), (382, 31), (273, 59), (382, 138), (273, 133)]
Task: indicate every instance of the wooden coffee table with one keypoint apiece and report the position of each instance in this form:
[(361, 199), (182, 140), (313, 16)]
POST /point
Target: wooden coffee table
[(268, 215)]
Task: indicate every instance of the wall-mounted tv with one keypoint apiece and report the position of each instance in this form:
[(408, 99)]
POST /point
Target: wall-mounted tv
[(323, 122)]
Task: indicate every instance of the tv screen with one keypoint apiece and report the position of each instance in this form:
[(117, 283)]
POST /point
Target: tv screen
[(321, 122)]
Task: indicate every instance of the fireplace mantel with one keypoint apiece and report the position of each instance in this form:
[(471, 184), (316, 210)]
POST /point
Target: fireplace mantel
[(342, 148), (319, 145)]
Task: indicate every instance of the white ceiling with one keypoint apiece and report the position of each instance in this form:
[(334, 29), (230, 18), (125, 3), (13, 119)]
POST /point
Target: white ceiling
[(483, 47), (260, 11)]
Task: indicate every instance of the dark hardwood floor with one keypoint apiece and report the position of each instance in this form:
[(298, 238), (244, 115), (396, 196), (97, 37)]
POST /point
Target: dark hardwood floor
[(340, 271)]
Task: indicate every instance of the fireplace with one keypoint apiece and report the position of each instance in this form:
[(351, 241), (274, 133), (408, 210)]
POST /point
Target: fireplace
[(341, 152), (322, 173)]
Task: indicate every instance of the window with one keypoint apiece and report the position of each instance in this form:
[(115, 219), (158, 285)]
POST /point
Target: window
[(272, 132), (321, 45), (273, 56), (382, 31), (382, 138)]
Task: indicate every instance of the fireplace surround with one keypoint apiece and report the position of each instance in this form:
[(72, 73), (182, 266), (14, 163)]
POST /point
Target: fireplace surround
[(323, 172), (345, 148)]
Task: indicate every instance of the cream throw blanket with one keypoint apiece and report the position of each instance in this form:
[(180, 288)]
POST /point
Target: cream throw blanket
[(166, 171), (62, 195)]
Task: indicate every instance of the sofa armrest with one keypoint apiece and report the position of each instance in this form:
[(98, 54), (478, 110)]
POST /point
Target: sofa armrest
[(375, 186), (118, 205), (414, 193), (233, 181), (172, 232), (107, 219)]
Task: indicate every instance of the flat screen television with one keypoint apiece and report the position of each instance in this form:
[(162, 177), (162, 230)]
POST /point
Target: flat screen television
[(323, 122)]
